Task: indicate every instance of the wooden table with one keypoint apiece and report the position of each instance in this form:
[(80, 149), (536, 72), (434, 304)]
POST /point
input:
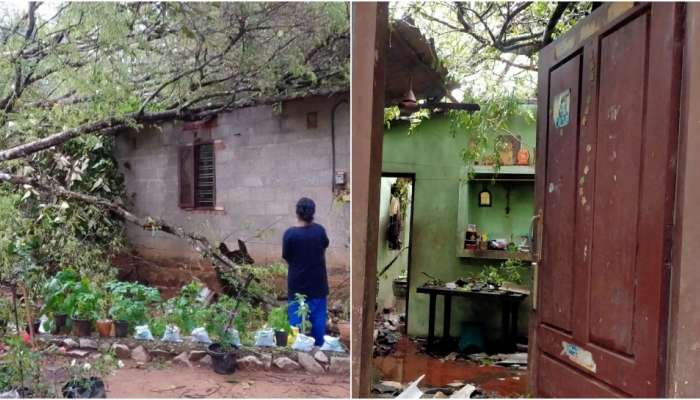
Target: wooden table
[(510, 302)]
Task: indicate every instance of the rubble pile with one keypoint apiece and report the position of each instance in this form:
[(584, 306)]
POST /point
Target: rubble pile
[(387, 332)]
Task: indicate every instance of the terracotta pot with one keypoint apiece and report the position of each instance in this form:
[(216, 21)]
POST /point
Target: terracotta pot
[(104, 327), (344, 329)]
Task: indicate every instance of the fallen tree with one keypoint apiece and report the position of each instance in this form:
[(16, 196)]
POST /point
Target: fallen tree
[(74, 75)]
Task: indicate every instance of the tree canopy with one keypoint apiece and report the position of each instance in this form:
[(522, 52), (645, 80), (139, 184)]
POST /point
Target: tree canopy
[(492, 46), (74, 74)]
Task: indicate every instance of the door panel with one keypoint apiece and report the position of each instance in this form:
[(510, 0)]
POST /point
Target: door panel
[(617, 179), (557, 284), (606, 193)]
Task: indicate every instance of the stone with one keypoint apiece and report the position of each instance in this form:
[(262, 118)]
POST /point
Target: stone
[(250, 363), (206, 360), (321, 357), (286, 364), (140, 354), (52, 349), (309, 363), (104, 347), (121, 351), (196, 355), (70, 343), (339, 365), (78, 353), (160, 354), (86, 343), (183, 359), (267, 361)]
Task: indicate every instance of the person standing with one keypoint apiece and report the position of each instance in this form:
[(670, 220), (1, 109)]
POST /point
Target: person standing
[(304, 248)]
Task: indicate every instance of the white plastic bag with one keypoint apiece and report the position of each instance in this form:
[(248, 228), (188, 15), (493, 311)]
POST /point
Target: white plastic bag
[(265, 338), (171, 334), (200, 335), (303, 343), (331, 343), (235, 338), (143, 333)]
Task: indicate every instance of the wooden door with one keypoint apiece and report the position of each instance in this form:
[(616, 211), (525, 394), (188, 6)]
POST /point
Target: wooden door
[(607, 128)]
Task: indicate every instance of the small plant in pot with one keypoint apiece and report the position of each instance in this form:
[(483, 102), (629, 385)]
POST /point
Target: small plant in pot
[(59, 299), (103, 323), (85, 312), (278, 320), (85, 380), (219, 324), (130, 303), (20, 370)]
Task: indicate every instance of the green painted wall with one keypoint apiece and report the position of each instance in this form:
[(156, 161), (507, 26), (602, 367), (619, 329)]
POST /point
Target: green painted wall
[(432, 153)]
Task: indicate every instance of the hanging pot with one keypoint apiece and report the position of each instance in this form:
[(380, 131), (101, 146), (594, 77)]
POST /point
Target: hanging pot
[(82, 327), (104, 327), (59, 322), (121, 328), (223, 362)]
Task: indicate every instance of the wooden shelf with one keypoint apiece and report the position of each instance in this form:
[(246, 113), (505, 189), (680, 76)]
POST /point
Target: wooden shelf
[(497, 255), (504, 173)]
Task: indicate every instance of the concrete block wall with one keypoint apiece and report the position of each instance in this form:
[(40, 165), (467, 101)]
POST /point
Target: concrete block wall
[(266, 161)]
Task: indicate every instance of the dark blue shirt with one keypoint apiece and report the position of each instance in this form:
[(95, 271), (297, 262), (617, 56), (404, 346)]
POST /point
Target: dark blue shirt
[(304, 248)]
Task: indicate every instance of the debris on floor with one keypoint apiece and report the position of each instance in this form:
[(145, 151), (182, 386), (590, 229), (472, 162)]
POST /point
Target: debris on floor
[(388, 330), (499, 375)]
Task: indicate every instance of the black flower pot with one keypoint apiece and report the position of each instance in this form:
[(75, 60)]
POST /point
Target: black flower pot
[(82, 327), (223, 362), (121, 328), (92, 388), (59, 322), (281, 338)]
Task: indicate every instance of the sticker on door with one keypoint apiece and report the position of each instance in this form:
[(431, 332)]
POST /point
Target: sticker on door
[(562, 103), (578, 356)]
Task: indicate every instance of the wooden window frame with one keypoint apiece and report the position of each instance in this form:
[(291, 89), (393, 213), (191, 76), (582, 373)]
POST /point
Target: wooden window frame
[(191, 205)]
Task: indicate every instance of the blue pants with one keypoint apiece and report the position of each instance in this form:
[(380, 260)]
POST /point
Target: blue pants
[(317, 316)]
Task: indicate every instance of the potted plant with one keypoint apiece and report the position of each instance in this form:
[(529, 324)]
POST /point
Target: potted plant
[(85, 380), (222, 350), (103, 323), (279, 321), (20, 369), (85, 310), (59, 299), (130, 302)]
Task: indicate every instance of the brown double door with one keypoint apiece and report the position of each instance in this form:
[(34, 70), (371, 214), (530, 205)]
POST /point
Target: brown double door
[(607, 128)]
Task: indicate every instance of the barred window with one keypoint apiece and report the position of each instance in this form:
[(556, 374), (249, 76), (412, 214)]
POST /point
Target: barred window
[(197, 176)]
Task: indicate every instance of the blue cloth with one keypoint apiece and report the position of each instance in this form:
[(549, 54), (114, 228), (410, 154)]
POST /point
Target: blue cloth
[(317, 316), (304, 248)]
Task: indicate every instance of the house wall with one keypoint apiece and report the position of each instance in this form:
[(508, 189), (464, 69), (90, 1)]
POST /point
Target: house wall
[(265, 162), (434, 155)]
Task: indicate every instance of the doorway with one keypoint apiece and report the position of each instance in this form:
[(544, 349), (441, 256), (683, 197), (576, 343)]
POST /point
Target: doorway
[(394, 247)]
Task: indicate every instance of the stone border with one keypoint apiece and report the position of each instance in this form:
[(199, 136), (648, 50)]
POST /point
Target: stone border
[(188, 352)]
